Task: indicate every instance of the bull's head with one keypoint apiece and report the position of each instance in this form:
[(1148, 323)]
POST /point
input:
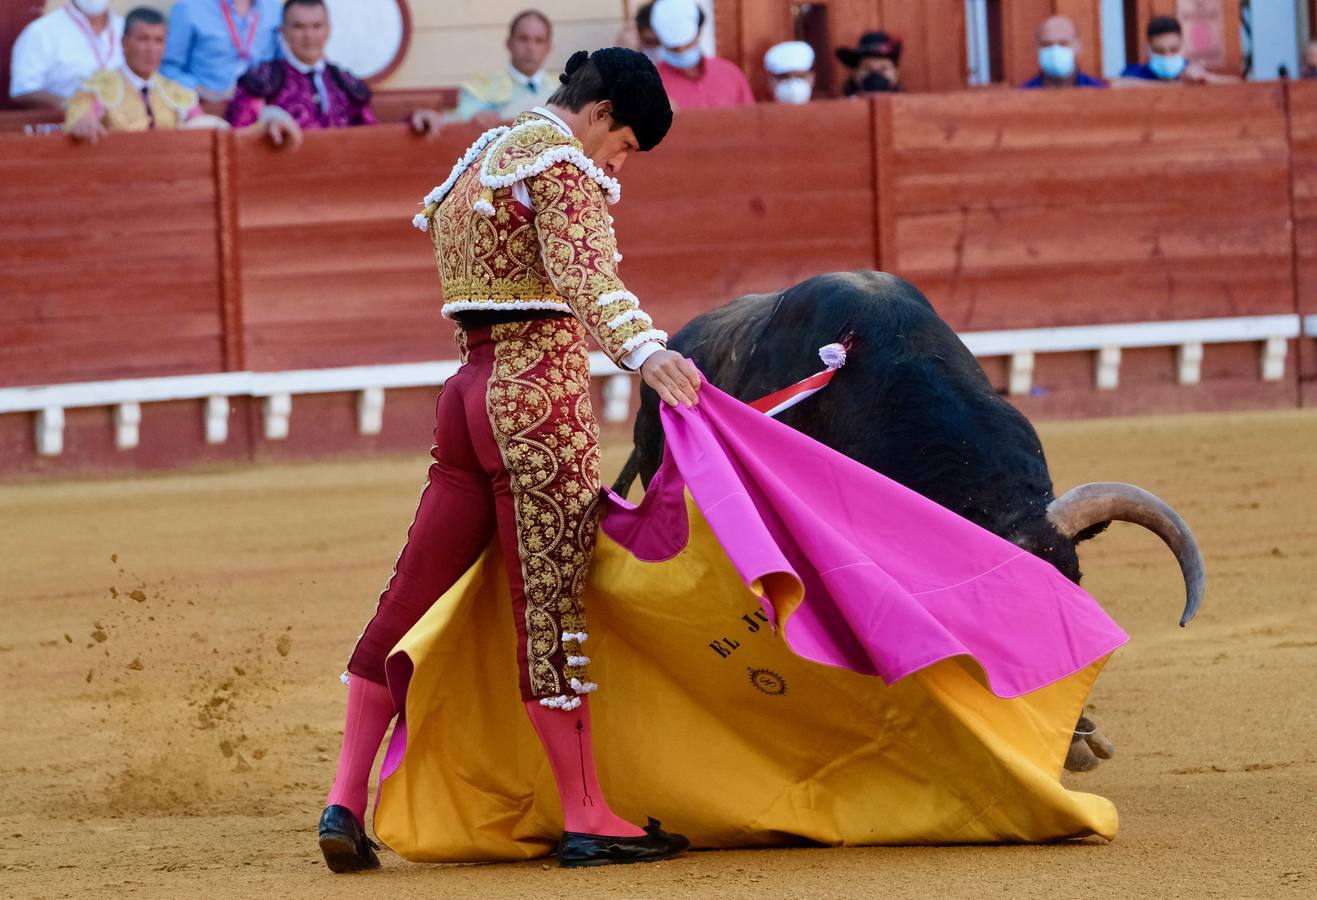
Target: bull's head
[(1085, 511)]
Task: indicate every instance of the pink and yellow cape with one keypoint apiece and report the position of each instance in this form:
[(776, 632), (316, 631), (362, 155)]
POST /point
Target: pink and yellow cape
[(738, 615)]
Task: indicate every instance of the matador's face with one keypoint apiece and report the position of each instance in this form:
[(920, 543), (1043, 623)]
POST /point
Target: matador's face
[(606, 142)]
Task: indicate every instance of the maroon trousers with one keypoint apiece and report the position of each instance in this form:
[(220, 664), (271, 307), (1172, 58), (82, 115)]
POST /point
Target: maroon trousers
[(516, 454)]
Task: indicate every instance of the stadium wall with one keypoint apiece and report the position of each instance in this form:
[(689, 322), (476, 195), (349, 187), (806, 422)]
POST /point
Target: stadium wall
[(1048, 229)]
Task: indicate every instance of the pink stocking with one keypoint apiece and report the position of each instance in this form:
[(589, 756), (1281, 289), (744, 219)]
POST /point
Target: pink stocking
[(567, 741), (370, 709)]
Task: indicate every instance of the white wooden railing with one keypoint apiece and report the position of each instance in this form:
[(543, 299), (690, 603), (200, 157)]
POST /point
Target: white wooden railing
[(276, 390)]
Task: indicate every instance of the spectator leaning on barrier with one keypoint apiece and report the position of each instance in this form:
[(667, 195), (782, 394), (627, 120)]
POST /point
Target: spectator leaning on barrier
[(1166, 61), (790, 68), (1058, 45), (693, 80), (300, 89), (520, 86), (135, 96), (1309, 67), (212, 42), (875, 64), (59, 51)]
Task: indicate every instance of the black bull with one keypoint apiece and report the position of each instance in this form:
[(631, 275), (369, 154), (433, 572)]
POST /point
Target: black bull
[(912, 403)]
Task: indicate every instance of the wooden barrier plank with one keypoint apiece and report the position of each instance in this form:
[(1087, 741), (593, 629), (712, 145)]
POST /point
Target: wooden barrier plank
[(333, 273), (108, 258), (1051, 208), (744, 200)]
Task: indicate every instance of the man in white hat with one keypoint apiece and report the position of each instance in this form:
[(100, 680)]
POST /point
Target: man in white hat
[(693, 80), (790, 67)]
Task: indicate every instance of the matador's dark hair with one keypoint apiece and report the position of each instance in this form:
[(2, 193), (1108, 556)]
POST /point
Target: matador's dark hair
[(629, 80)]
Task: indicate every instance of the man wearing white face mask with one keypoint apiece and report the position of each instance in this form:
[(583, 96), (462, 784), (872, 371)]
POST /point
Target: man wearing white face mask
[(693, 80), (790, 67), (55, 54), (1166, 60), (1058, 45)]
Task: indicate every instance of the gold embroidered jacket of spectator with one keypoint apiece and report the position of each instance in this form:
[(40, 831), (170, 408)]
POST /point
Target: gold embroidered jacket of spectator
[(121, 106)]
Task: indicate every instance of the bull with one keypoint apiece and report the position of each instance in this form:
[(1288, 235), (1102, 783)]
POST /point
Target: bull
[(914, 404)]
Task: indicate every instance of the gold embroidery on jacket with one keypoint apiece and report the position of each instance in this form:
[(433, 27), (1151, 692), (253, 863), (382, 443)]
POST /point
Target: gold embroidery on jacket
[(560, 254), (538, 400)]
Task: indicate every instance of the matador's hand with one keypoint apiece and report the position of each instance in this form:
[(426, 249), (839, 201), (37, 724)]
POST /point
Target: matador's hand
[(674, 377)]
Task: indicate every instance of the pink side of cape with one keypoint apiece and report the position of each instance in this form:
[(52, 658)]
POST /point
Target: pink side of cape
[(892, 582)]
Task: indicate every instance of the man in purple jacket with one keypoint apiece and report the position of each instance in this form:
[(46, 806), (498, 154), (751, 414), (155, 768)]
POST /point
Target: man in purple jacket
[(300, 89)]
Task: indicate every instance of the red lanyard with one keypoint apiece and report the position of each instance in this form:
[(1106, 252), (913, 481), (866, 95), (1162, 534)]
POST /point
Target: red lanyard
[(102, 60), (244, 48)]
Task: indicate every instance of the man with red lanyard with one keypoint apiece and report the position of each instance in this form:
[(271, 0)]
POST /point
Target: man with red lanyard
[(212, 42), (55, 54)]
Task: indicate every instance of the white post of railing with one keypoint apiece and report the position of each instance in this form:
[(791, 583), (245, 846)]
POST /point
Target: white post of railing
[(1108, 368), (1022, 362), (277, 409), (50, 431), (370, 410), (127, 425), (1189, 363), (217, 419), (617, 398), (1273, 358)]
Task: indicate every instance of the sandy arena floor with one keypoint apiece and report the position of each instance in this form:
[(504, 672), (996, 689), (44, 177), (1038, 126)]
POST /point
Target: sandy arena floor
[(170, 647)]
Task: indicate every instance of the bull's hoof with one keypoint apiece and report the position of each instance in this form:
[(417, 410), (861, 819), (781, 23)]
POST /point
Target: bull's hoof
[(1088, 747)]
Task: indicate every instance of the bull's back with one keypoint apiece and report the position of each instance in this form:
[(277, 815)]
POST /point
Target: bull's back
[(912, 402)]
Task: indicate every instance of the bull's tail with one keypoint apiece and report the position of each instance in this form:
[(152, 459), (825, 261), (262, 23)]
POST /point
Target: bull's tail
[(628, 474)]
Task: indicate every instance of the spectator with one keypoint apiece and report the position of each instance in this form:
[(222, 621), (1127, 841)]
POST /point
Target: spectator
[(638, 34), (875, 64), (503, 95), (1309, 67), (790, 69), (1058, 45), (1166, 61), (693, 80), (212, 42), (62, 49), (134, 97), (301, 89)]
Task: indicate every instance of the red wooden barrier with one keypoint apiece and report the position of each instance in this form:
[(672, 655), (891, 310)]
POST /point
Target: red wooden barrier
[(175, 253), (745, 200), (108, 258), (333, 273), (1034, 209)]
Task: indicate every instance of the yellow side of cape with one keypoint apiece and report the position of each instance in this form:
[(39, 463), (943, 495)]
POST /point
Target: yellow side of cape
[(705, 719)]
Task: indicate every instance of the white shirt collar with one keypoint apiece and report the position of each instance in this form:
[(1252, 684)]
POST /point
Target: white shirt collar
[(542, 111), (530, 81), (138, 81), (292, 60)]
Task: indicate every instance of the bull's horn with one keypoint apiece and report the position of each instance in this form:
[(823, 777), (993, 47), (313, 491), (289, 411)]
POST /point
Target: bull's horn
[(1106, 501)]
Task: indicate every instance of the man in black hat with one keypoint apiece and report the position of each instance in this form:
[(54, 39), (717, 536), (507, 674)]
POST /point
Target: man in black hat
[(875, 64), (528, 262)]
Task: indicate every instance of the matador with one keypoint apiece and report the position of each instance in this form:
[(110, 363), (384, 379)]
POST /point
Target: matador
[(528, 259)]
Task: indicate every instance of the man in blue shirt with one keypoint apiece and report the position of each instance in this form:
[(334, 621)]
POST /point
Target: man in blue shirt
[(212, 42), (1058, 45), (1166, 60)]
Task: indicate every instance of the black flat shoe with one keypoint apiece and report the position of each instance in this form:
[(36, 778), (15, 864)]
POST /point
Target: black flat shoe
[(344, 842), (577, 849)]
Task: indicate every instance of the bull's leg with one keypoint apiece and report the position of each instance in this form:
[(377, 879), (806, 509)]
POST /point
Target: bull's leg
[(1088, 747)]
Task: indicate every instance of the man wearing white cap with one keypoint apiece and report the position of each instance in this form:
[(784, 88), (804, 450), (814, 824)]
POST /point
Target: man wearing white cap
[(693, 80), (790, 68)]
